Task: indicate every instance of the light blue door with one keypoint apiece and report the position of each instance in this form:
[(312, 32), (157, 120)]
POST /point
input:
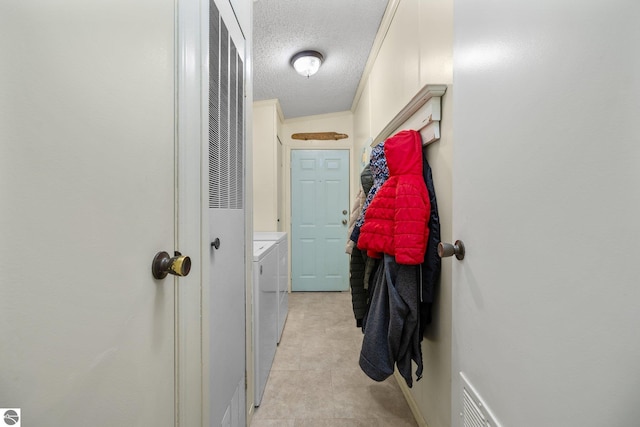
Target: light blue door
[(319, 220)]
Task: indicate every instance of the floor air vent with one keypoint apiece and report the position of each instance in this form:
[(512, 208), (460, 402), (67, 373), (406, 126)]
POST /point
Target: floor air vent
[(474, 411)]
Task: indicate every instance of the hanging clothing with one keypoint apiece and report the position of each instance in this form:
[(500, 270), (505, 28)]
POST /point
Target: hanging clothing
[(359, 263), (395, 223), (366, 182), (432, 263), (380, 173), (375, 355), (402, 224), (356, 207), (391, 330), (359, 293)]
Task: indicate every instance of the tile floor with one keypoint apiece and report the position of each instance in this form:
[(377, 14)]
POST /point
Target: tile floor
[(316, 381)]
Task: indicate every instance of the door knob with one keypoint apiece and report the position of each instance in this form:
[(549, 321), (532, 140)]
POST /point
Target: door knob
[(216, 243), (447, 249), (344, 222), (344, 212), (163, 264)]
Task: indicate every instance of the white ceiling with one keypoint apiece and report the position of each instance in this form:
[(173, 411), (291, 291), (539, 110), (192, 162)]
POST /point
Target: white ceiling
[(342, 30)]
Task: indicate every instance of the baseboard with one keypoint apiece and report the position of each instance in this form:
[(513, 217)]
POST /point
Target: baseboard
[(250, 413), (413, 405)]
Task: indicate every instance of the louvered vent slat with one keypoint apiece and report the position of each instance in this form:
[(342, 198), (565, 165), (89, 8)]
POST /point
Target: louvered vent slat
[(233, 123), (240, 125), (214, 105), (472, 415), (475, 412), (226, 117)]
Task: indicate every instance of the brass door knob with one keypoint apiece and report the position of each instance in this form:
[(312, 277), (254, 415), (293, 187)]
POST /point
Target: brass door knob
[(163, 264)]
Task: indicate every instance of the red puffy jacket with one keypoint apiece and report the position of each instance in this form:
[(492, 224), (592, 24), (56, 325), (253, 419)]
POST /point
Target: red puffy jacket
[(396, 221)]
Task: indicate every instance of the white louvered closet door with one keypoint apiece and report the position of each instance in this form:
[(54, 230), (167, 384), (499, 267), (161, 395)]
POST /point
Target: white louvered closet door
[(226, 219)]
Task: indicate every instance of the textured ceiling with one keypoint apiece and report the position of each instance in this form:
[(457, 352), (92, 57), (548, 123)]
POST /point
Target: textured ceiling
[(342, 30)]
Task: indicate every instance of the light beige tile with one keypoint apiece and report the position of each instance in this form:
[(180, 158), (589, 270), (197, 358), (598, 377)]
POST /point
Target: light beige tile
[(347, 333), (337, 422), (327, 354), (352, 402), (287, 358), (297, 394), (388, 401), (316, 380), (397, 422), (349, 377), (272, 423), (374, 400)]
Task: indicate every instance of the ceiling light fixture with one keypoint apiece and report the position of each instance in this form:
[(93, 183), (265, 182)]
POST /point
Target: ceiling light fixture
[(307, 62)]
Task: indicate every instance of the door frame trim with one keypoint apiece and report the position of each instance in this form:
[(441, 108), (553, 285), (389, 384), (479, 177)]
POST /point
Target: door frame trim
[(188, 374)]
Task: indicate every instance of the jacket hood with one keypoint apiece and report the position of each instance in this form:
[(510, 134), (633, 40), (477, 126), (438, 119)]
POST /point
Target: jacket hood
[(403, 152), (366, 179)]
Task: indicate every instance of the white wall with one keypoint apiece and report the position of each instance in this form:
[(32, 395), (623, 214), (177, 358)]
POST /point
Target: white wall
[(416, 51), (267, 122), (547, 199), (395, 76)]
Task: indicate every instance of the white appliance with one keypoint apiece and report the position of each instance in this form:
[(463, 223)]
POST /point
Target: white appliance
[(282, 243), (265, 312)]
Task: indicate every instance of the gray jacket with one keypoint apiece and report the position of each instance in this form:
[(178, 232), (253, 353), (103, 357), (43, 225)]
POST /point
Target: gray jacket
[(391, 329)]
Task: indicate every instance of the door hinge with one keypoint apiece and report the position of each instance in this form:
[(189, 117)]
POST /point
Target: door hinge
[(246, 386)]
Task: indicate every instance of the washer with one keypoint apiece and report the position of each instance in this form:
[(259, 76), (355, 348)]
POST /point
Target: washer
[(265, 312), (282, 243)]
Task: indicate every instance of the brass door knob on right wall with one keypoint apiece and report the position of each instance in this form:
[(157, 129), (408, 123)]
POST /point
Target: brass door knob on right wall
[(447, 249)]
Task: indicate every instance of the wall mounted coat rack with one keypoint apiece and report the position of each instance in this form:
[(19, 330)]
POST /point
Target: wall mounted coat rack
[(422, 114)]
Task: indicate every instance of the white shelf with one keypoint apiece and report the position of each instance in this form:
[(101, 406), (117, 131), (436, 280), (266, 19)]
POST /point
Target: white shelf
[(422, 113)]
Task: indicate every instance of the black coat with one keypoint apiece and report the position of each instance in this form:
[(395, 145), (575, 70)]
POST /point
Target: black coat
[(358, 265), (431, 265)]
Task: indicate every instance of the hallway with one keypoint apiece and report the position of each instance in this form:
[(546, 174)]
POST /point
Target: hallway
[(316, 381)]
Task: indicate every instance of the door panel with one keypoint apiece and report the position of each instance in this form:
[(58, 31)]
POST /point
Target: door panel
[(319, 196), (87, 189), (545, 302), (226, 220)]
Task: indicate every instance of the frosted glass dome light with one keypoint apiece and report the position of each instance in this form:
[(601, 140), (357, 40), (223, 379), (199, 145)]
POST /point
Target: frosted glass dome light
[(307, 62)]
